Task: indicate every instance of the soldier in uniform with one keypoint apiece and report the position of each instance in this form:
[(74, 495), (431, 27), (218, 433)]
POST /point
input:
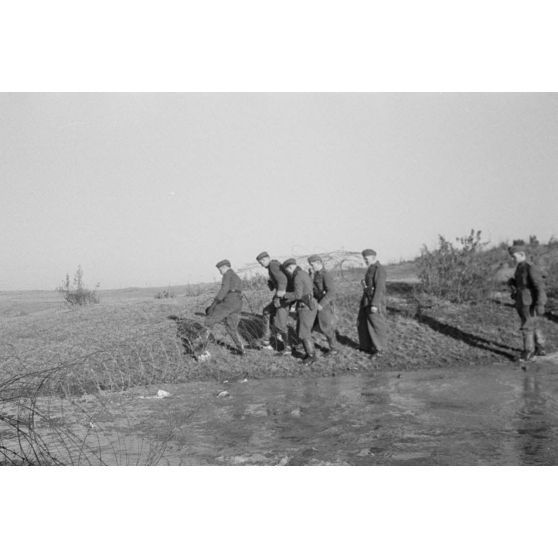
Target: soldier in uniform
[(306, 307), (324, 293), (371, 323), (276, 313), (227, 305), (528, 291)]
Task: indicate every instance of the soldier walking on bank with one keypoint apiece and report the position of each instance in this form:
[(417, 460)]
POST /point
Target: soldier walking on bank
[(276, 313), (324, 293), (306, 307), (530, 297), (227, 305), (371, 322)]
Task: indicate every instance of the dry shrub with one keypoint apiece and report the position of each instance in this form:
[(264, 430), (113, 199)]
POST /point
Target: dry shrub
[(75, 293), (458, 273), (166, 293)]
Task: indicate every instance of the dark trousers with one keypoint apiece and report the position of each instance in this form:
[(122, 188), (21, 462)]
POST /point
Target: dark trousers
[(276, 319), (305, 321), (372, 329), (530, 328), (305, 318), (228, 312), (327, 323)]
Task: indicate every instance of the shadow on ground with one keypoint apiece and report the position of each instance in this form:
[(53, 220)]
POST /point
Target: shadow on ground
[(469, 338)]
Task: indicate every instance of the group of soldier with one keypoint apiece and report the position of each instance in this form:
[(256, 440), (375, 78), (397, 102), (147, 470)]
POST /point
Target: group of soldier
[(312, 295)]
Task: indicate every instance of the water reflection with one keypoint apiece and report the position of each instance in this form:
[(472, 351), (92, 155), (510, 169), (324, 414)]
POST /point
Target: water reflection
[(534, 428), (473, 416)]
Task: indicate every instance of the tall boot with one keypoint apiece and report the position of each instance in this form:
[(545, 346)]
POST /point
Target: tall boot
[(266, 337), (332, 340), (310, 357), (528, 345), (539, 342), (235, 336), (284, 336)]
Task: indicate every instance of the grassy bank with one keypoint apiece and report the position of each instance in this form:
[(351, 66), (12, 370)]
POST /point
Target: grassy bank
[(129, 341)]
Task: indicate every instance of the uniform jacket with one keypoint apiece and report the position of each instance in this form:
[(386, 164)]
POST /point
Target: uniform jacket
[(529, 285), (324, 287), (277, 277), (303, 288), (230, 283), (375, 292)]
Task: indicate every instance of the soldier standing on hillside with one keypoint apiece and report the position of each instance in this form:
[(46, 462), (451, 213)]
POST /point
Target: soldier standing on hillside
[(371, 322), (276, 313), (227, 305), (306, 307), (324, 292), (528, 291)]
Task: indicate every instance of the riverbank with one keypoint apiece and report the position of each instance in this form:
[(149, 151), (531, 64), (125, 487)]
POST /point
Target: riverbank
[(125, 342)]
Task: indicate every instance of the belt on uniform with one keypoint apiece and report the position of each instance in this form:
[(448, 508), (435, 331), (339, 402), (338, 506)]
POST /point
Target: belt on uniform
[(239, 292)]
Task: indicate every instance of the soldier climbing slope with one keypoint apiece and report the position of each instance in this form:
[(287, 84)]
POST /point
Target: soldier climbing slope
[(227, 305), (306, 307), (276, 313), (324, 293)]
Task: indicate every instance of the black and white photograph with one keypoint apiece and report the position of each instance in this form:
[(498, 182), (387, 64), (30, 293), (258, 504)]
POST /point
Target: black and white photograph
[(279, 282), (279, 279)]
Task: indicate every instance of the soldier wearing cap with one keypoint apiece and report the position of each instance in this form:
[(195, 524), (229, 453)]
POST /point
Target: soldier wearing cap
[(528, 292), (306, 306), (324, 293), (276, 313), (227, 305), (371, 322)]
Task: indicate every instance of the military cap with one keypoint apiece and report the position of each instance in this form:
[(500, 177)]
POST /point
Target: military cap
[(314, 258), (223, 262), (290, 261), (517, 248), (262, 255), (369, 252)]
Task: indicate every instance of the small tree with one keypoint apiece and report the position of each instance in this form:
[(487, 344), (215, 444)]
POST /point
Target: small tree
[(457, 273), (77, 293)]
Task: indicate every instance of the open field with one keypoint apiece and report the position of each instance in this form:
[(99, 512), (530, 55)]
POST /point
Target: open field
[(74, 360)]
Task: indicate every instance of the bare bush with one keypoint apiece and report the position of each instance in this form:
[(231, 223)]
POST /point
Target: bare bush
[(75, 293), (166, 293), (458, 273)]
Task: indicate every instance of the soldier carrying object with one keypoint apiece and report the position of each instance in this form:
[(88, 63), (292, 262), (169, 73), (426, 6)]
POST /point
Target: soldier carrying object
[(324, 292), (276, 313), (371, 322), (306, 307), (227, 305), (529, 294)]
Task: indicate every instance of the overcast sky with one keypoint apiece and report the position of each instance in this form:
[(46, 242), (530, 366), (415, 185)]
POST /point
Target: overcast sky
[(153, 189)]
